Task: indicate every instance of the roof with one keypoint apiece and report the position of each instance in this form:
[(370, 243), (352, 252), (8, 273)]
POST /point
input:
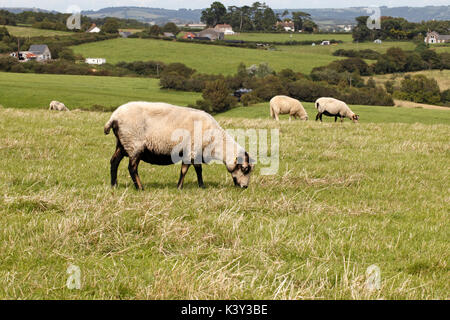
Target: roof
[(92, 27), (440, 36), (38, 48), (225, 26), (210, 31)]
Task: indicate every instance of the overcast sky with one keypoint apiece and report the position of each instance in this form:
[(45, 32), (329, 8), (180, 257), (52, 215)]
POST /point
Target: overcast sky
[(63, 5)]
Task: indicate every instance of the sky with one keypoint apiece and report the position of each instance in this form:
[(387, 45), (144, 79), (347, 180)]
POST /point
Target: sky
[(64, 5)]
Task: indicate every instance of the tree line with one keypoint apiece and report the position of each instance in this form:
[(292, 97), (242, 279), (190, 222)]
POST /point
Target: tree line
[(257, 17), (57, 21), (397, 29)]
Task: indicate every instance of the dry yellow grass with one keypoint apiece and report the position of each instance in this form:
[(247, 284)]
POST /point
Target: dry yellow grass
[(346, 197)]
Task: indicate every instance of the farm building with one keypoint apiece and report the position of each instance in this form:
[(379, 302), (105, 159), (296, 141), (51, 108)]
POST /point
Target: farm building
[(434, 37), (377, 41), (211, 34), (225, 28), (41, 51), (189, 35), (95, 61), (169, 35), (199, 26), (93, 29), (24, 56), (286, 25)]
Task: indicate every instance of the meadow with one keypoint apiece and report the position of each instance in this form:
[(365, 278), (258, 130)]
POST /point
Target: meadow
[(20, 90), (345, 197), (214, 59), (204, 58), (33, 32)]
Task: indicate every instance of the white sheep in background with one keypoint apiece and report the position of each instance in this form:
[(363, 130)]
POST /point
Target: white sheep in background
[(58, 106), (145, 130), (287, 105), (334, 108)]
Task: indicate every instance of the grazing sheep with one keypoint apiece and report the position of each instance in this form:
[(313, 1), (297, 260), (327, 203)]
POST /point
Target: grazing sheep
[(287, 105), (57, 106), (145, 131), (334, 108)]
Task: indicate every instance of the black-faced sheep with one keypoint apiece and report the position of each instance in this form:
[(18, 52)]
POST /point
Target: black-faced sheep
[(287, 105), (334, 108), (151, 132), (58, 106)]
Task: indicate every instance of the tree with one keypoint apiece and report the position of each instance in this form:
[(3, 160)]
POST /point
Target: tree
[(171, 27), (361, 32), (155, 30), (216, 97), (420, 89), (214, 15), (298, 17), (111, 26)]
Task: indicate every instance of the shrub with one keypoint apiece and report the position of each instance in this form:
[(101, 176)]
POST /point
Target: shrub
[(179, 69), (419, 89), (445, 97), (216, 97)]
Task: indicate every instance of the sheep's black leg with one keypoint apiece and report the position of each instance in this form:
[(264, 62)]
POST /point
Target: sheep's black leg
[(133, 169), (115, 161), (318, 116), (335, 118), (184, 170), (198, 170)]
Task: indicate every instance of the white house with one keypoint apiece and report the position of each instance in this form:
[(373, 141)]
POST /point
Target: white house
[(37, 52), (41, 51), (95, 61), (325, 43), (94, 29), (225, 28), (378, 41), (434, 37)]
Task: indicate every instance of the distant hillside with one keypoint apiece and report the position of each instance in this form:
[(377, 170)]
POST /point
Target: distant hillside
[(149, 15), (19, 10), (324, 17), (348, 15)]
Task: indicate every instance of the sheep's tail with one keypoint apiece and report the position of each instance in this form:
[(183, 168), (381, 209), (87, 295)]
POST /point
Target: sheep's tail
[(110, 124), (317, 105)]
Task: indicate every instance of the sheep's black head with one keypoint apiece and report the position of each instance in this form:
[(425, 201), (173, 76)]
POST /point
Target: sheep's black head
[(241, 171), (355, 118)]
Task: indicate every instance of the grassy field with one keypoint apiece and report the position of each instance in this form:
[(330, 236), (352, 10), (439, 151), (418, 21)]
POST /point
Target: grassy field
[(283, 37), (345, 197), (205, 58), (37, 90), (220, 59), (33, 32), (368, 114)]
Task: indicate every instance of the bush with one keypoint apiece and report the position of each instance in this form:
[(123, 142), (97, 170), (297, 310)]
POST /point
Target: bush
[(419, 89), (445, 97), (216, 97), (179, 69)]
